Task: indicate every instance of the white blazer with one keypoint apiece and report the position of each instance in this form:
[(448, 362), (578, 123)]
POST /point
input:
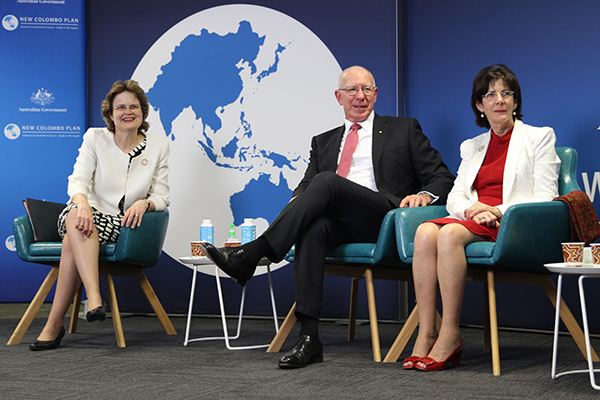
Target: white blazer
[(101, 172), (530, 173)]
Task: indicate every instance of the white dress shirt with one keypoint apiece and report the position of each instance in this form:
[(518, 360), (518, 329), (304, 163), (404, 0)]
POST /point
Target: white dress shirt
[(361, 169)]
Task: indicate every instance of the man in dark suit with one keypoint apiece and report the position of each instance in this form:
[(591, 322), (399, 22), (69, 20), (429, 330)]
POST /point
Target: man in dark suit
[(356, 174)]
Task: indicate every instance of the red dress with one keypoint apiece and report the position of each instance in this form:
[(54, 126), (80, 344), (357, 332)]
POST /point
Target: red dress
[(488, 184)]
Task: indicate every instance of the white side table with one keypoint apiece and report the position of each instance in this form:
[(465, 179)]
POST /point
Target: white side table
[(194, 263), (586, 271)]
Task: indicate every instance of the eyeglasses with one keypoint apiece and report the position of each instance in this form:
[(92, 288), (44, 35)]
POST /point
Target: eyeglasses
[(123, 107), (505, 94), (353, 90)]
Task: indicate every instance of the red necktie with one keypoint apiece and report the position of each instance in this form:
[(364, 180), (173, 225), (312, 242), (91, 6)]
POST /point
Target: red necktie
[(348, 151)]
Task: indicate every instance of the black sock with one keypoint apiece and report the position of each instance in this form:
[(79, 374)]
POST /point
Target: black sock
[(309, 326)]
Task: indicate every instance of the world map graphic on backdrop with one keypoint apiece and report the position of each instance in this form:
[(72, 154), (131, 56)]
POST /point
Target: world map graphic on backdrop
[(239, 90), (220, 76)]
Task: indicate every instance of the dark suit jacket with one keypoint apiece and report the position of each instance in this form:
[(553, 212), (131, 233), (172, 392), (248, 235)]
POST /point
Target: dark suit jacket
[(403, 160)]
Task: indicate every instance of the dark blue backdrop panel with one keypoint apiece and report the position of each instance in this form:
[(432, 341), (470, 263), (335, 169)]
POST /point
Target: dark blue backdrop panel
[(42, 75), (551, 47), (355, 33)]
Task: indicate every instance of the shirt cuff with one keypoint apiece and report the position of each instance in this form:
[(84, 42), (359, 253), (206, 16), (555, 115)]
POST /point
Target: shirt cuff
[(434, 198)]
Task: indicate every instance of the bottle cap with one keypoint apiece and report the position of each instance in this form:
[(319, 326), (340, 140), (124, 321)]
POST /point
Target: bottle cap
[(248, 220), (206, 221)]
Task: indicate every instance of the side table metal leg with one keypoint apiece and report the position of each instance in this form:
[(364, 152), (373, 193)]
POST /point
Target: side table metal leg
[(556, 325), (586, 331), (191, 306)]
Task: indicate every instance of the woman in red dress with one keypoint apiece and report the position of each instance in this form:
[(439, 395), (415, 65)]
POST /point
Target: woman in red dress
[(511, 163)]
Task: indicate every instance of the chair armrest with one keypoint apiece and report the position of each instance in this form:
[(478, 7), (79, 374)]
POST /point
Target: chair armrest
[(386, 251), (142, 246), (23, 236), (530, 235), (407, 220)]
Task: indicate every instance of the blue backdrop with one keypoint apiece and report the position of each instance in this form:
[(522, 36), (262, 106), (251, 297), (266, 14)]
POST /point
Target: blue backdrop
[(42, 75), (551, 47)]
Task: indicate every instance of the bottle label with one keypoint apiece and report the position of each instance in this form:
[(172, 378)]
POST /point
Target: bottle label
[(207, 234), (248, 233)]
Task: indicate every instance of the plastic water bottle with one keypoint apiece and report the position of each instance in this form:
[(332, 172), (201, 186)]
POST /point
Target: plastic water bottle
[(207, 231), (232, 241), (248, 230)]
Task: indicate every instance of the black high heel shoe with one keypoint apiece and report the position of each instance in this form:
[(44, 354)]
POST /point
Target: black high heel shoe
[(97, 314), (48, 344)]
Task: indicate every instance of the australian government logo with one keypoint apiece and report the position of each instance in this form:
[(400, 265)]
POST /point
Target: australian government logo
[(42, 98)]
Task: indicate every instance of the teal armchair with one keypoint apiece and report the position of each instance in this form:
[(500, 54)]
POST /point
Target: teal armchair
[(135, 250), (530, 236), (358, 260)]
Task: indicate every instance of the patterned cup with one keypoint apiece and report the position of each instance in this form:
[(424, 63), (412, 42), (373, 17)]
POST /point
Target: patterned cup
[(196, 251), (573, 254), (595, 254)]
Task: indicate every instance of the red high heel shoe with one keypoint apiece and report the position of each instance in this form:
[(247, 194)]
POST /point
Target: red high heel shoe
[(429, 364), (415, 359)]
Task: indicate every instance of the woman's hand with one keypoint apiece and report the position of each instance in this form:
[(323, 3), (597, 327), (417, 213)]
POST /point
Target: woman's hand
[(133, 216), (85, 217), (484, 214)]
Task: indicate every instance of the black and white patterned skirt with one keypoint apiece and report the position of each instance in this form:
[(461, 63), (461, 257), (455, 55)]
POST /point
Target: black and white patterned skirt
[(107, 225)]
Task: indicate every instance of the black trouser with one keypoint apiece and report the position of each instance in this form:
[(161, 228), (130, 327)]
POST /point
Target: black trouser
[(331, 211)]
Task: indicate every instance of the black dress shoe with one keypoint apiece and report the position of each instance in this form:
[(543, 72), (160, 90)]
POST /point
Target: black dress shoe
[(97, 314), (48, 344), (232, 260), (307, 350)]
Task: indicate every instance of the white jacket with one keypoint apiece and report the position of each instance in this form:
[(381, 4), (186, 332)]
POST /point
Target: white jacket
[(100, 172), (530, 173)]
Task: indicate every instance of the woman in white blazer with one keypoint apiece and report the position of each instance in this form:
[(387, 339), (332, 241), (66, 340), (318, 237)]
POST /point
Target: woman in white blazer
[(511, 163), (120, 174)]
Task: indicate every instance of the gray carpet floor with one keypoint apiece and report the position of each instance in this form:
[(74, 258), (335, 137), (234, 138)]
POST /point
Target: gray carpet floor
[(156, 366)]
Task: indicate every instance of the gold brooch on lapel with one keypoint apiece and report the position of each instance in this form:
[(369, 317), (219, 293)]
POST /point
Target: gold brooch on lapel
[(145, 162), (481, 148)]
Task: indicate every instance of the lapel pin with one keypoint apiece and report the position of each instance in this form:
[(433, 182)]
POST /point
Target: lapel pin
[(481, 148)]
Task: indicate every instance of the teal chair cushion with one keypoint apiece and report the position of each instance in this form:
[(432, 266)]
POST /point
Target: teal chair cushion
[(384, 252), (141, 246)]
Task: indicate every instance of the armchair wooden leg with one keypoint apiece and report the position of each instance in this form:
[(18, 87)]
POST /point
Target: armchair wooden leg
[(352, 312), (114, 309), (373, 315), (34, 307), (568, 319), (493, 319), (155, 303), (403, 337), (75, 310), (284, 331), (406, 333), (486, 318)]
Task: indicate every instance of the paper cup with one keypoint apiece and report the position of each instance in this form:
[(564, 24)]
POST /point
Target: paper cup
[(573, 254), (196, 250), (595, 254)]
